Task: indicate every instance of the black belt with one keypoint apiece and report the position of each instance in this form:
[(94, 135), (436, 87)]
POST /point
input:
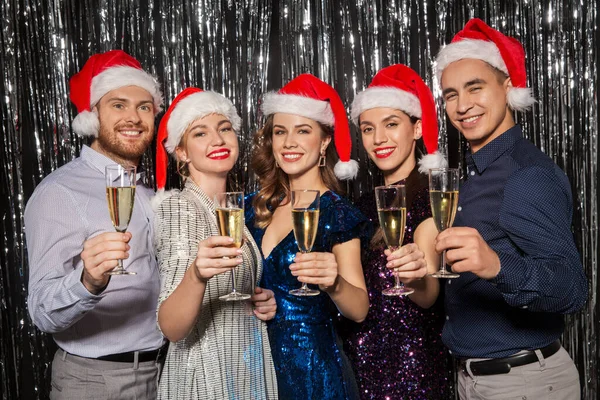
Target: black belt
[(503, 365), (143, 356)]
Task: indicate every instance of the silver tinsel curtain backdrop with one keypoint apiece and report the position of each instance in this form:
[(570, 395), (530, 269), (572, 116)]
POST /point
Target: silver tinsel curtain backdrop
[(244, 48)]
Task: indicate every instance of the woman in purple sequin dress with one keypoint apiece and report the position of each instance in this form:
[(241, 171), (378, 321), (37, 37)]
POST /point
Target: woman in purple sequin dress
[(397, 352)]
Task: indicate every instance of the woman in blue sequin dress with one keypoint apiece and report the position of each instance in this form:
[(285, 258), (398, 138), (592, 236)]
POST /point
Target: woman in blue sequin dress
[(397, 352), (292, 152)]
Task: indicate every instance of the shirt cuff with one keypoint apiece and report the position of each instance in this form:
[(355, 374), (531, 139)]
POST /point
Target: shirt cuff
[(511, 270), (79, 291)]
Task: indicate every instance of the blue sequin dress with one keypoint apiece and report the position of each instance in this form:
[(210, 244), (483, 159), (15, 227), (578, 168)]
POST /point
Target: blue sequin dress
[(308, 354)]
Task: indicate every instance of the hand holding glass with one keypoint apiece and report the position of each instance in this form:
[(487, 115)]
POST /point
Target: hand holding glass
[(120, 195), (230, 216), (443, 194), (391, 210), (305, 220)]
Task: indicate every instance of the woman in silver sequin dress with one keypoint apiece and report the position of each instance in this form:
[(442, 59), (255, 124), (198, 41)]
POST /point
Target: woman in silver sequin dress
[(218, 350)]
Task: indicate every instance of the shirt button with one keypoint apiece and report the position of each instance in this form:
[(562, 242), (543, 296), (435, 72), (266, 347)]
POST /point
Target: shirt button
[(449, 281), (472, 173), (459, 208), (447, 318)]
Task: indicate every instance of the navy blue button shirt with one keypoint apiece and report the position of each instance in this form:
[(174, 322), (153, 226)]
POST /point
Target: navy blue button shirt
[(520, 202)]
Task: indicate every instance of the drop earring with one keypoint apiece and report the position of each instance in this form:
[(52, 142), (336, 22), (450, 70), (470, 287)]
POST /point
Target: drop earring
[(322, 160)]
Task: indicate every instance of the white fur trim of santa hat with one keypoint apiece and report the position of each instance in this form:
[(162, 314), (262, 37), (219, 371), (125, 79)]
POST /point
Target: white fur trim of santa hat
[(195, 106), (519, 99), (307, 107), (86, 123), (391, 97)]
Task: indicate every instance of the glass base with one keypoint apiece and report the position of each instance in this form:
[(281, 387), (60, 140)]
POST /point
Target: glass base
[(120, 271), (397, 291), (444, 274), (305, 292), (234, 296)]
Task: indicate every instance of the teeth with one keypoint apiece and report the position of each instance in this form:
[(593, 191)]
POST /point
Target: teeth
[(471, 119), (292, 156), (219, 154), (130, 133), (384, 151)]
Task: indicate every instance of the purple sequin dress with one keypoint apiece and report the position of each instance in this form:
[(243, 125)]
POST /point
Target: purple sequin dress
[(397, 352)]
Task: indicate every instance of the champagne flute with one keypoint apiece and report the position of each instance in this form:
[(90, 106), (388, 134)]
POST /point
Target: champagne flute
[(391, 210), (305, 220), (443, 194), (230, 217), (120, 195)]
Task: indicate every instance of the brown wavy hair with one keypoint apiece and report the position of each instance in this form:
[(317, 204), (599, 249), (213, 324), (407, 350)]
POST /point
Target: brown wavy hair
[(274, 183)]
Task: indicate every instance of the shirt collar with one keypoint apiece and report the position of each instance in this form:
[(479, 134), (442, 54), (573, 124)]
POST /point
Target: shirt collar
[(99, 161), (494, 149)]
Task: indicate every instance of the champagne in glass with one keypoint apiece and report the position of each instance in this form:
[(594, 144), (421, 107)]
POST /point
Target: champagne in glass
[(120, 195), (391, 210), (305, 220), (443, 195), (230, 218)]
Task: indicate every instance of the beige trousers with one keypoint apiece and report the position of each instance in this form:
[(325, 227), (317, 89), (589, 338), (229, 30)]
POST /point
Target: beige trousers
[(554, 378), (77, 378)]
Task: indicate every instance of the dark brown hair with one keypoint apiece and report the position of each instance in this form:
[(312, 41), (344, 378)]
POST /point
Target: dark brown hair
[(274, 183)]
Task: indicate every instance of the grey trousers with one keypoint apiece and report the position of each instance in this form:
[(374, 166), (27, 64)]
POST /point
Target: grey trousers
[(553, 378), (77, 378)]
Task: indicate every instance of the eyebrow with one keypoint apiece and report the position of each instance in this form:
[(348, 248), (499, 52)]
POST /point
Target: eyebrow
[(476, 81), (223, 121), (295, 126), (389, 117), (123, 100)]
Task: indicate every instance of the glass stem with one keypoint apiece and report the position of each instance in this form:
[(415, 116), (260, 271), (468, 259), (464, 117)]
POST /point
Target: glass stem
[(399, 284), (443, 262), (233, 280)]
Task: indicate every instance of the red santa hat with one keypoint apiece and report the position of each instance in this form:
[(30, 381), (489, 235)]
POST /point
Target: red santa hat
[(478, 41), (189, 105), (401, 88), (308, 96), (102, 73)]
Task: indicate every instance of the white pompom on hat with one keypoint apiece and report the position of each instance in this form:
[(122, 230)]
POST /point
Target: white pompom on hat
[(401, 88), (479, 41), (102, 73), (309, 97)]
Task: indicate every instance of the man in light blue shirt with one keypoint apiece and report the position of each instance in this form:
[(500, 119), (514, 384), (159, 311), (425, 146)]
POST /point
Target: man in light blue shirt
[(105, 326)]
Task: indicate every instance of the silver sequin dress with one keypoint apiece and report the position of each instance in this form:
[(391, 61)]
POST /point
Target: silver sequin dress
[(227, 354)]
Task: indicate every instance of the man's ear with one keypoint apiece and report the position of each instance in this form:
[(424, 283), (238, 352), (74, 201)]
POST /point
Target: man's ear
[(507, 85)]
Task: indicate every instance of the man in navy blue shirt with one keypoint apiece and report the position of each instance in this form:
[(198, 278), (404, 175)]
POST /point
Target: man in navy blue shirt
[(511, 242)]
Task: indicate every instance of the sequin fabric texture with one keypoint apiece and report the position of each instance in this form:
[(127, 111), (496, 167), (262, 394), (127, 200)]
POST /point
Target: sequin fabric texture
[(306, 349), (397, 352)]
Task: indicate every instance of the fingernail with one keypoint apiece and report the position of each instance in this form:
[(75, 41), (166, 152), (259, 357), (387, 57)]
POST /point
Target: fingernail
[(239, 251), (230, 240)]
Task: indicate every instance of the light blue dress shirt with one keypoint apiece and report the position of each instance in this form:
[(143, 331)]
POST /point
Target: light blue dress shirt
[(67, 208)]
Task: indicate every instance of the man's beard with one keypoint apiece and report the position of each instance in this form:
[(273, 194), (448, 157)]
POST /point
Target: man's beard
[(109, 141)]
